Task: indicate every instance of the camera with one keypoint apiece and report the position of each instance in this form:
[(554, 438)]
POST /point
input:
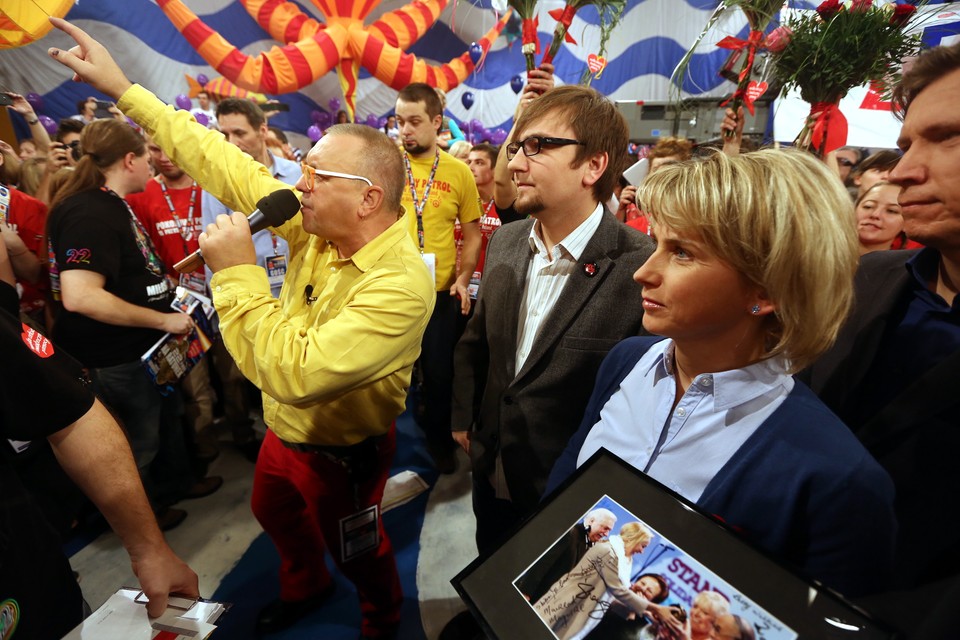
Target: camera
[(75, 150)]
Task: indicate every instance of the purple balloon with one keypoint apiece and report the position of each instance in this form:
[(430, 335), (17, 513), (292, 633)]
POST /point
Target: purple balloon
[(49, 124), (202, 118), (35, 101), (372, 121), (315, 116), (203, 80), (324, 120), (476, 52), (516, 83), (475, 125), (334, 104), (183, 101), (498, 136), (381, 122), (467, 99), (314, 133)]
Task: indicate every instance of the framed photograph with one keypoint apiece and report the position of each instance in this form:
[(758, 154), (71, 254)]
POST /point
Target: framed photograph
[(611, 539)]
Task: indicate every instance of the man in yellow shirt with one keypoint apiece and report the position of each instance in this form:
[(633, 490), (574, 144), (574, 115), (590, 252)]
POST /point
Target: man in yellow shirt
[(333, 356), (439, 191)]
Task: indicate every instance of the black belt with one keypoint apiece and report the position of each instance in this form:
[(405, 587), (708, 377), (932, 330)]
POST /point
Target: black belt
[(360, 461), (333, 450)]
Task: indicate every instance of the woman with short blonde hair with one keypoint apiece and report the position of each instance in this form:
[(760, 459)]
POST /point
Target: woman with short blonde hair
[(792, 237), (750, 281)]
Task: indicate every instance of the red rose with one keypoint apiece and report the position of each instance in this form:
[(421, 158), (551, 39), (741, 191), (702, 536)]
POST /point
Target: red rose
[(902, 14), (829, 9), (778, 39), (861, 5)]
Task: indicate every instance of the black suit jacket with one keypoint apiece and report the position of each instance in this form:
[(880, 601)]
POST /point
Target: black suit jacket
[(529, 415), (918, 442)]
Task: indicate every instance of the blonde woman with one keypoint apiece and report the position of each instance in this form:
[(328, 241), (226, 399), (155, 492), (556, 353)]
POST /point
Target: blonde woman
[(576, 602), (750, 282)]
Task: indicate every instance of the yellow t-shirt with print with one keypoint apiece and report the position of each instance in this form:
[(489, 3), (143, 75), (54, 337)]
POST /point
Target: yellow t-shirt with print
[(453, 196)]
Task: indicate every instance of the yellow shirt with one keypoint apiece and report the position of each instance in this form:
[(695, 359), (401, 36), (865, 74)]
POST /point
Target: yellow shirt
[(453, 196), (334, 371)]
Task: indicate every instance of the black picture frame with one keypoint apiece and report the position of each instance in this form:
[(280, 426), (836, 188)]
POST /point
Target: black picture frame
[(800, 604)]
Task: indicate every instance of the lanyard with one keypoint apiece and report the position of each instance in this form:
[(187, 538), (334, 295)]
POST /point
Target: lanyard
[(418, 205), (153, 263), (186, 230), (486, 211)]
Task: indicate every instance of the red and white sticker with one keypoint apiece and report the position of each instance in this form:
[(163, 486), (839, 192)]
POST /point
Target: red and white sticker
[(36, 341)]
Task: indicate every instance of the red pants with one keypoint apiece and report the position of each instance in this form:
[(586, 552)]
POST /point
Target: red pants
[(299, 500)]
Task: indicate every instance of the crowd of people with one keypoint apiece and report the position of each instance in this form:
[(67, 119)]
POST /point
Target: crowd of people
[(772, 335)]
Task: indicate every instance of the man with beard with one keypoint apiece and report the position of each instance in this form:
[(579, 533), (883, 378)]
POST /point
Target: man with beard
[(557, 294), (440, 190)]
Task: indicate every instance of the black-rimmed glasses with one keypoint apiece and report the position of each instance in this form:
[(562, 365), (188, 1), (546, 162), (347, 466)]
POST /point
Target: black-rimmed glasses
[(534, 144)]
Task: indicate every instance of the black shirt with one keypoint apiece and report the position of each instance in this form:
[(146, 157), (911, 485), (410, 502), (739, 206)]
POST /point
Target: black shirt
[(93, 231), (41, 392)]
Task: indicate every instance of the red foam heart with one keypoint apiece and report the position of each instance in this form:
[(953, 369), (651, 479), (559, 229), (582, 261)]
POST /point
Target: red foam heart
[(755, 90), (596, 63)]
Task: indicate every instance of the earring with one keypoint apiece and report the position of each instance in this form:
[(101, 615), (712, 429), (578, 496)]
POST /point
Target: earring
[(755, 309)]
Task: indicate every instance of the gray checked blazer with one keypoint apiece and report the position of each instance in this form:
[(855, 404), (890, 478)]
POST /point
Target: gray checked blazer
[(529, 415)]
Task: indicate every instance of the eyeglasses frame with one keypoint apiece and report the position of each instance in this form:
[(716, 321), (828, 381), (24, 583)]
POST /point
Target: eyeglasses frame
[(309, 174), (514, 147)]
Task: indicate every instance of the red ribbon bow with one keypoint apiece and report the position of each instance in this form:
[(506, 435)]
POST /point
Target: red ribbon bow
[(751, 44), (565, 18), (830, 128), (529, 32)]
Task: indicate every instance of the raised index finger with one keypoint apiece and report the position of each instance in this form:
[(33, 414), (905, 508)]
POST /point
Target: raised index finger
[(72, 30)]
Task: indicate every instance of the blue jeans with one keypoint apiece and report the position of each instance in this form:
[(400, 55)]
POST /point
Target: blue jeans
[(153, 427)]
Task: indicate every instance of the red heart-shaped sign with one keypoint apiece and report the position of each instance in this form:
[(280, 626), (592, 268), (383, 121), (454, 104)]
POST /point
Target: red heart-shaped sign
[(596, 63), (755, 90)]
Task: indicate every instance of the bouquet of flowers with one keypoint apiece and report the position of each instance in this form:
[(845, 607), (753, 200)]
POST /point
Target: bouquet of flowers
[(527, 9), (759, 13), (836, 48), (610, 12)]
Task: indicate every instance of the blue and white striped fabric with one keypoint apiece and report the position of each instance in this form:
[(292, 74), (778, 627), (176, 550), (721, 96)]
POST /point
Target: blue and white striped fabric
[(642, 53)]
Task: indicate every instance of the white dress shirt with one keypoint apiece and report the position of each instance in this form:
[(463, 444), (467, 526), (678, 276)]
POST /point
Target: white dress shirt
[(685, 446), (547, 273)]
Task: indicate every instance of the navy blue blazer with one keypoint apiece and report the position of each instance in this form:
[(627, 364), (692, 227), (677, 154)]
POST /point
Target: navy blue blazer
[(802, 487)]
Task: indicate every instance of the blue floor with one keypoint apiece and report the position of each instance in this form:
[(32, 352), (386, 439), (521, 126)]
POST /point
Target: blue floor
[(253, 582)]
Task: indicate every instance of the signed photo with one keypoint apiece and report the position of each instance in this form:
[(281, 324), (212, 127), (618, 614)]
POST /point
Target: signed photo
[(612, 576)]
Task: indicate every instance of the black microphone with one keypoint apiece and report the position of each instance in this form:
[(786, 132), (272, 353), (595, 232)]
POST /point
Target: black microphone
[(272, 211)]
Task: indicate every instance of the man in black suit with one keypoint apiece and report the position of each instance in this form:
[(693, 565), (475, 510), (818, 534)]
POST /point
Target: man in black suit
[(557, 294), (566, 553), (893, 374)]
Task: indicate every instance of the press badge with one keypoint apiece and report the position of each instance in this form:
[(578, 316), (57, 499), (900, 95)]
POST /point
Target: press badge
[(359, 533), (276, 267), (430, 259)]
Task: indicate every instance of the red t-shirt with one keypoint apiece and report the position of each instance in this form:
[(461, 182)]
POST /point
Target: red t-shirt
[(28, 217), (174, 234)]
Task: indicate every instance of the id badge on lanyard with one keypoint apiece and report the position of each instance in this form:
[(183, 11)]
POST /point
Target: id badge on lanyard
[(276, 267), (430, 259)]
